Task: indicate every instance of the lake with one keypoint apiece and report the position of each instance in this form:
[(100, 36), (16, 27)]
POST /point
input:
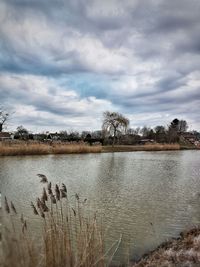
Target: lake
[(147, 197)]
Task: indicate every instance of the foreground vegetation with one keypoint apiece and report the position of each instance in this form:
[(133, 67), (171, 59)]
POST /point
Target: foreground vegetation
[(181, 252), (67, 234)]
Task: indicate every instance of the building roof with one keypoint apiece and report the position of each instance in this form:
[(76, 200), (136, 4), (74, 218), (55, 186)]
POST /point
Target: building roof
[(5, 135)]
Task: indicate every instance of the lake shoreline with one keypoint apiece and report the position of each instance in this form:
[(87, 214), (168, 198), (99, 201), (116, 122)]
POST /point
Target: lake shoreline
[(23, 149), (135, 148), (26, 148), (179, 251)]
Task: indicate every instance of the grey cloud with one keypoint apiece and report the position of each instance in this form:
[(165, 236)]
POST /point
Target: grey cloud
[(40, 103), (34, 63), (30, 120), (154, 20), (157, 38), (170, 82)]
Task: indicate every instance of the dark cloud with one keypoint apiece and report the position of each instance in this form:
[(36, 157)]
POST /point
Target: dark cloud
[(136, 57)]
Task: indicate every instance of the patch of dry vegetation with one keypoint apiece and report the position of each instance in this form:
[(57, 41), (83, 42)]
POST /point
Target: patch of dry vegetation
[(26, 148), (69, 236), (160, 147), (147, 147), (35, 148), (181, 252)]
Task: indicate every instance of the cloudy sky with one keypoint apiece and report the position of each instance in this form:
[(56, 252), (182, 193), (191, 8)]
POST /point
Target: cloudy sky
[(64, 62)]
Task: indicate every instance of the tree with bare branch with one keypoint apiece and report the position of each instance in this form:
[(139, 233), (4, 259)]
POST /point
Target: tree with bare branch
[(114, 123), (3, 118)]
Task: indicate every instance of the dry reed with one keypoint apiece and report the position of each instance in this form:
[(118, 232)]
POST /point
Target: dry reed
[(69, 236), (147, 147), (26, 148), (32, 148), (181, 252)]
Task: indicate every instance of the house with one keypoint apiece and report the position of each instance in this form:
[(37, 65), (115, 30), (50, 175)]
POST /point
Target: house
[(146, 141), (5, 136), (191, 138)]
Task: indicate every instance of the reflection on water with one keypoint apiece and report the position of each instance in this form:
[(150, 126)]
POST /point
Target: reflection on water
[(147, 197)]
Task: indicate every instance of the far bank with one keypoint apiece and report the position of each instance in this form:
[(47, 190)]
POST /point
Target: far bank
[(39, 148)]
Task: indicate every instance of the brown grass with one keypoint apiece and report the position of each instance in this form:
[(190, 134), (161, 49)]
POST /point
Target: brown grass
[(148, 147), (69, 236), (26, 148), (32, 148), (181, 252)]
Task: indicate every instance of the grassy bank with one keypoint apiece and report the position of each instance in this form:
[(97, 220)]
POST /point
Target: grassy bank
[(180, 252), (32, 148), (26, 148), (150, 147)]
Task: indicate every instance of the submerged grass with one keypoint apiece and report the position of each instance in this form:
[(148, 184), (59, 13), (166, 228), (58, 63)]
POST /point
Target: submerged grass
[(26, 148), (68, 237)]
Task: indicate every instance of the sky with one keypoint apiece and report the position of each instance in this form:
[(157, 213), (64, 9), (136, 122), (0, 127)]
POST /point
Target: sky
[(64, 62)]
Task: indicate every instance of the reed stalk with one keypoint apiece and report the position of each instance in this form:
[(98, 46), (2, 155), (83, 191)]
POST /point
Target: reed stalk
[(69, 237)]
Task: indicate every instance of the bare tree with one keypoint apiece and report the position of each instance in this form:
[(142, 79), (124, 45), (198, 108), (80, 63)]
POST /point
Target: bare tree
[(114, 123), (133, 131), (3, 118), (183, 126), (22, 132), (145, 131), (175, 128)]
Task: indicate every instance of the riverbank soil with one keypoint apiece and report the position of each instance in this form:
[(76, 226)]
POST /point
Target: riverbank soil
[(181, 252)]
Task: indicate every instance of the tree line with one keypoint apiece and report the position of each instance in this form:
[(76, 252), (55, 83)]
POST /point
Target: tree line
[(116, 127), (115, 130)]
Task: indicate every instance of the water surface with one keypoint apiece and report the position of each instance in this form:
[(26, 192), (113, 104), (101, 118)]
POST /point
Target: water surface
[(147, 197)]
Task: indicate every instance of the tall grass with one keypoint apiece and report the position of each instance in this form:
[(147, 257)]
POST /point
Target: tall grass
[(69, 236), (26, 148), (160, 147), (147, 147), (32, 148)]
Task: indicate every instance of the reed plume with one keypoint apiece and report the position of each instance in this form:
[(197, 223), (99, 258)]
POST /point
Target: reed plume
[(53, 199), (77, 196), (49, 188), (64, 188), (42, 205), (57, 192), (13, 207), (43, 178), (68, 237), (63, 194), (34, 210)]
